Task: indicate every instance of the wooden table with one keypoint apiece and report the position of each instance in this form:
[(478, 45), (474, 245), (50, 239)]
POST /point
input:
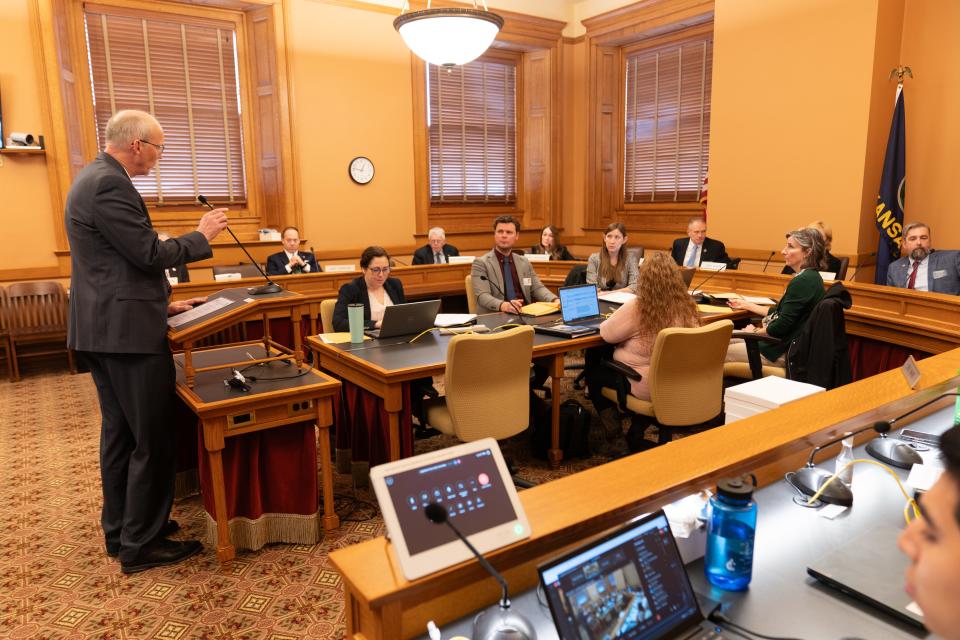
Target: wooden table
[(225, 413), (382, 366)]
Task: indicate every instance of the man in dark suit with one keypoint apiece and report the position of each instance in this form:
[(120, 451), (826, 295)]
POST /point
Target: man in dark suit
[(178, 274), (119, 303), (291, 259), (436, 251), (921, 267), (697, 247)]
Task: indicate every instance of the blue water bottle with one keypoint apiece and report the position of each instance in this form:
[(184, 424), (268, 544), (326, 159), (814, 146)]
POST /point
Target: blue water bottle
[(731, 524)]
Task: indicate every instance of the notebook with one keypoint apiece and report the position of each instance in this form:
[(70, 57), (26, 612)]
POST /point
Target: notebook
[(406, 319), (580, 309), (628, 584)]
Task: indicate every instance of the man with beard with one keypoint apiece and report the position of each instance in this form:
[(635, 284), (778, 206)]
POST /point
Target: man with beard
[(923, 268)]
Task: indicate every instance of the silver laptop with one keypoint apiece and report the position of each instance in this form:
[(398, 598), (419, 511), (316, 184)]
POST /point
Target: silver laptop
[(628, 584), (406, 319), (580, 308)]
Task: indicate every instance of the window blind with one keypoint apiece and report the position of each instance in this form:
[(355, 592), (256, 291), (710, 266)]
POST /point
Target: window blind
[(185, 74), (472, 123), (667, 132)]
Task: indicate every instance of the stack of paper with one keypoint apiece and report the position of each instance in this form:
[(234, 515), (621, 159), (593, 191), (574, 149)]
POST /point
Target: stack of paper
[(454, 319), (750, 398)]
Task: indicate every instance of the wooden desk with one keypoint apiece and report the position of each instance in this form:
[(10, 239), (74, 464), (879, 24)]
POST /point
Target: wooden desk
[(225, 413), (381, 604), (382, 366)]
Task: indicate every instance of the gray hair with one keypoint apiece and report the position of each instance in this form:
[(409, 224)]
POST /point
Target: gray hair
[(437, 231), (696, 219), (129, 125), (913, 225), (811, 239)]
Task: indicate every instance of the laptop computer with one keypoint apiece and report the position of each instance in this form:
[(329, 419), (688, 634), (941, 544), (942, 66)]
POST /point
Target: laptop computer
[(406, 319), (870, 569), (580, 308), (628, 584)]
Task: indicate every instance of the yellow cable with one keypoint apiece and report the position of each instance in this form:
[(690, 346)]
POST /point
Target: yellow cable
[(421, 334), (911, 504)]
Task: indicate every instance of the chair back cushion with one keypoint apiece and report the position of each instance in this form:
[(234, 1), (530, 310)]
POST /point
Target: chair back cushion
[(326, 314), (471, 297), (686, 373), (488, 383)]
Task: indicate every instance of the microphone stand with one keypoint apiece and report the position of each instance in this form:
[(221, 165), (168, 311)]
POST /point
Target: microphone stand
[(767, 263), (271, 286), (703, 296), (510, 302), (503, 623)]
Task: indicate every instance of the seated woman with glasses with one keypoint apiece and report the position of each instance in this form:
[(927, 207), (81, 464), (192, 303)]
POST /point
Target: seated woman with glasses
[(375, 290)]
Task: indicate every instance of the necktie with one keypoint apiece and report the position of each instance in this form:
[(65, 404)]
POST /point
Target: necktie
[(692, 258), (437, 258), (913, 275), (508, 287)]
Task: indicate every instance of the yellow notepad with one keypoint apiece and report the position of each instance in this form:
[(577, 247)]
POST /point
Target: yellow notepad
[(341, 337), (710, 308), (540, 308)]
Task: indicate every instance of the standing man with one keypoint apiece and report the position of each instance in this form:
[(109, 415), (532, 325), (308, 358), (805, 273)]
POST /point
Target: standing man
[(291, 259), (922, 268), (697, 247), (505, 281), (436, 251), (118, 324), (178, 274)]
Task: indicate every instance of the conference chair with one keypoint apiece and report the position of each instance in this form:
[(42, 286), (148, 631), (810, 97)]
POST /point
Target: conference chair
[(487, 386), (471, 296), (685, 380), (637, 253), (5, 333), (245, 270), (326, 314), (842, 271), (37, 313), (576, 275)]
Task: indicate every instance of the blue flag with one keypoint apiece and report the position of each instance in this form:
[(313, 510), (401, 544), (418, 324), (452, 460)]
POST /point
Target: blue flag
[(892, 191)]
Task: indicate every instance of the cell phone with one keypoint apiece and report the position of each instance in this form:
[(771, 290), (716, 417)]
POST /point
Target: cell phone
[(919, 436)]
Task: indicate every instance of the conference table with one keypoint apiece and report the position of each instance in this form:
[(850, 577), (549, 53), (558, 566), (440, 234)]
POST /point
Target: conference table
[(382, 366)]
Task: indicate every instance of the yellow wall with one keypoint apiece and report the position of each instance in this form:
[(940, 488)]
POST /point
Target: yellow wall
[(27, 239)]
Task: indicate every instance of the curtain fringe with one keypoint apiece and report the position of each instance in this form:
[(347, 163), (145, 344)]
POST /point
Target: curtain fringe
[(269, 528)]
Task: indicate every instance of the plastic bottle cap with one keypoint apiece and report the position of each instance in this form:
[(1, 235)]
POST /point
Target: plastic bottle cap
[(735, 488)]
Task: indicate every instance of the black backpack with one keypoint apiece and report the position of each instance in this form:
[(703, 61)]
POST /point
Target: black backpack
[(574, 429)]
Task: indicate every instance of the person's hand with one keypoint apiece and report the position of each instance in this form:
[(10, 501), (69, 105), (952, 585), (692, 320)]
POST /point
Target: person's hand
[(735, 303), (195, 301), (750, 328), (212, 223), (296, 260)]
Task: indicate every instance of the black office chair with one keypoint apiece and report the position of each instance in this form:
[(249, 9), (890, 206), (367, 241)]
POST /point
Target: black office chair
[(734, 264), (842, 271), (577, 275)]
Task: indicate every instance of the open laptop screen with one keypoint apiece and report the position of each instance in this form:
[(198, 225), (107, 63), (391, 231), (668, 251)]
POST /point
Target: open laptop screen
[(579, 302), (630, 584)]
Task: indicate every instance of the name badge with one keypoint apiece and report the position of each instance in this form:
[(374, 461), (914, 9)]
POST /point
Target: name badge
[(528, 282), (939, 273)]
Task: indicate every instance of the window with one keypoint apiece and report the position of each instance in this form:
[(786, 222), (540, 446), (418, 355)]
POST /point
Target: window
[(472, 133), (667, 121), (185, 72)]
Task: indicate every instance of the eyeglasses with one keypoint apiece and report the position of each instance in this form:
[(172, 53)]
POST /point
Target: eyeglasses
[(160, 147), (379, 270)]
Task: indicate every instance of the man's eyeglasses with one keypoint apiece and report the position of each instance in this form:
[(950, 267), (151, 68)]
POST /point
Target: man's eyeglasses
[(160, 147), (379, 270)]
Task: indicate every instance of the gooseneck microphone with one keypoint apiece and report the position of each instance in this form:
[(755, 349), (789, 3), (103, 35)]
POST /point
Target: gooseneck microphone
[(853, 277), (510, 302), (271, 286), (767, 263), (503, 623), (703, 296)]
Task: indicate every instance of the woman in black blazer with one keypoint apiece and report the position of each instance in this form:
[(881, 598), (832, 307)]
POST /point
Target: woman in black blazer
[(550, 244), (375, 290)]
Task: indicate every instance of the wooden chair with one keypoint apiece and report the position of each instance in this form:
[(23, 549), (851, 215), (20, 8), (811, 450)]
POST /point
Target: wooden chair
[(5, 333), (37, 313), (471, 296)]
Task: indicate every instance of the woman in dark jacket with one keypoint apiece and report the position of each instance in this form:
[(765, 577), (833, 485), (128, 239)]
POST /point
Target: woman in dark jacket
[(375, 290), (550, 245)]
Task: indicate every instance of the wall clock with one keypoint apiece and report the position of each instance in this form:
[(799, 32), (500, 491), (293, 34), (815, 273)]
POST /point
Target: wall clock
[(361, 170)]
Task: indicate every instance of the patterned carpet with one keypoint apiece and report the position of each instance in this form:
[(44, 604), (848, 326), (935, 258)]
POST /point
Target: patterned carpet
[(57, 582)]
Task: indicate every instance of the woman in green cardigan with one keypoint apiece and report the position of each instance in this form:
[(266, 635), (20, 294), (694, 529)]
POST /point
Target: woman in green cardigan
[(805, 254)]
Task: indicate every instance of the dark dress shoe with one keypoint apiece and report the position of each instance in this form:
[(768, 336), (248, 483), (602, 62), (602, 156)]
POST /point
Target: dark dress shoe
[(161, 552), (168, 529)]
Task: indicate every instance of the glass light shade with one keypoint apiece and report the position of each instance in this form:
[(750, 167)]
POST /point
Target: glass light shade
[(450, 36)]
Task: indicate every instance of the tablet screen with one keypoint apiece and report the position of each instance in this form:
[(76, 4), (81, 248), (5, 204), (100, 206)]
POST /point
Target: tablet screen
[(469, 485)]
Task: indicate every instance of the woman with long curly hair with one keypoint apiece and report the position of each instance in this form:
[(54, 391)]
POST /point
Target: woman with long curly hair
[(662, 302)]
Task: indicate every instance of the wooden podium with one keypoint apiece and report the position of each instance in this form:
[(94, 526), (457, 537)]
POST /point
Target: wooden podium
[(286, 392)]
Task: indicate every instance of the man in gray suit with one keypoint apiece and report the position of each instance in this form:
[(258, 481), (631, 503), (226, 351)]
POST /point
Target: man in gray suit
[(921, 267), (502, 280), (119, 303)]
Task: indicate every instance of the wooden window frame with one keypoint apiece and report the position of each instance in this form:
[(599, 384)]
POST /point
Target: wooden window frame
[(536, 44), (268, 140)]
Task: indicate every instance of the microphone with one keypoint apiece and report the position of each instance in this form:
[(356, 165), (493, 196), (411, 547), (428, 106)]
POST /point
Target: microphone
[(898, 453), (854, 276), (271, 286), (503, 623), (510, 302), (765, 264), (703, 296)]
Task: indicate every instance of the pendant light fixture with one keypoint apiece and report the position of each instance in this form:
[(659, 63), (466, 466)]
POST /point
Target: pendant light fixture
[(448, 36)]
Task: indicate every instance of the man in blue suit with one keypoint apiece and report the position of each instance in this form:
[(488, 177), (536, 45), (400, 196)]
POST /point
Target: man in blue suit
[(921, 267), (291, 259)]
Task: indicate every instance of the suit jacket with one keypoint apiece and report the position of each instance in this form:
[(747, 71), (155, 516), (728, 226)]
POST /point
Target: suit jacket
[(489, 291), (424, 255), (355, 292), (943, 272), (712, 251), (277, 263), (118, 289)]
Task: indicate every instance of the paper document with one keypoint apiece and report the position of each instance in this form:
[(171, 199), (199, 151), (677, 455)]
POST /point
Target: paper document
[(710, 308), (727, 295), (923, 476), (540, 308), (453, 319), (759, 300), (616, 297), (337, 338), (706, 265), (198, 311)]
